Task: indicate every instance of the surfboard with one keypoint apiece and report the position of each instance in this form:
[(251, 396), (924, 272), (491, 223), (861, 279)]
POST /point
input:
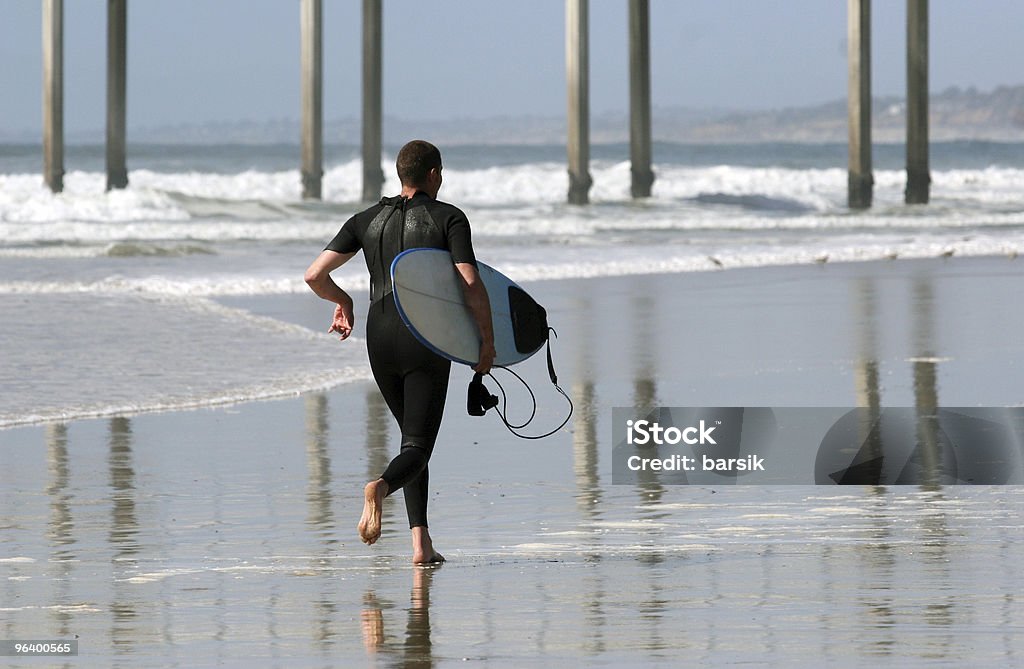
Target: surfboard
[(428, 292)]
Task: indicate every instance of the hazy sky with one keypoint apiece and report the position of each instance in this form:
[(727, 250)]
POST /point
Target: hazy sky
[(217, 60)]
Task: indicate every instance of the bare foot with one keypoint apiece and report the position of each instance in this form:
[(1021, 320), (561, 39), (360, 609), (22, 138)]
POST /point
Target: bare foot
[(436, 558), (369, 524), (423, 548)]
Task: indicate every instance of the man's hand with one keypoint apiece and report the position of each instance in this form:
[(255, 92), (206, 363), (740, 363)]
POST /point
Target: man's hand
[(344, 321), (487, 354), (318, 276)]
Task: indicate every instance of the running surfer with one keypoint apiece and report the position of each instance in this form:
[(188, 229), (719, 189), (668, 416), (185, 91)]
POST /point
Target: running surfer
[(412, 379)]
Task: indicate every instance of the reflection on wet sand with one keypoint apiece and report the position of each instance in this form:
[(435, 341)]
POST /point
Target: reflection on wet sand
[(61, 526), (123, 535), (584, 449), (124, 527), (61, 521), (415, 648), (877, 561), (926, 394), (378, 422), (150, 558), (866, 373), (883, 577), (877, 460), (645, 387), (586, 473), (318, 462), (320, 509), (879, 558), (585, 418)]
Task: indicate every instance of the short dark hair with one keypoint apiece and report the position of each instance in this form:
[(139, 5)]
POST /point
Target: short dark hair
[(415, 161)]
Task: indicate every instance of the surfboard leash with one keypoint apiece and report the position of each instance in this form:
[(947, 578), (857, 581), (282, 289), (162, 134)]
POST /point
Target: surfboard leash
[(479, 399)]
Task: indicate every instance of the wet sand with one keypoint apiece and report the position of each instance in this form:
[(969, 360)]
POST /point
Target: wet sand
[(227, 536)]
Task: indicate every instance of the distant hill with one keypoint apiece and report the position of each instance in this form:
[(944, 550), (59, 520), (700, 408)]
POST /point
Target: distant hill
[(955, 114)]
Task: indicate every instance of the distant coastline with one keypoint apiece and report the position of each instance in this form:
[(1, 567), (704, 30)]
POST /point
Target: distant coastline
[(956, 114)]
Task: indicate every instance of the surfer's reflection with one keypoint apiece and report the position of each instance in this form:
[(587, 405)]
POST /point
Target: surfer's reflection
[(415, 650)]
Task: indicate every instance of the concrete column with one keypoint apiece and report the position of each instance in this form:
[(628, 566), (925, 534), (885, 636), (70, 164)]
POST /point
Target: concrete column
[(918, 176), (117, 69), (860, 180), (373, 176), (578, 79), (311, 14), (640, 98), (53, 94)]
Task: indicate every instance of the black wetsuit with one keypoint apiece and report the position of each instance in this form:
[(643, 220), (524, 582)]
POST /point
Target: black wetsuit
[(413, 379)]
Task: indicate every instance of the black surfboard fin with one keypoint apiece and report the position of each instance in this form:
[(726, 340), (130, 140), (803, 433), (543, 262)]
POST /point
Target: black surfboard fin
[(529, 320)]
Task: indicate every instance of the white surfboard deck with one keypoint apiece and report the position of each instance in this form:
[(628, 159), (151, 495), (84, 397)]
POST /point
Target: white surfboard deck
[(428, 292)]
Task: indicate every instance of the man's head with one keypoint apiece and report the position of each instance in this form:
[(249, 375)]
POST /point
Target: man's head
[(419, 166)]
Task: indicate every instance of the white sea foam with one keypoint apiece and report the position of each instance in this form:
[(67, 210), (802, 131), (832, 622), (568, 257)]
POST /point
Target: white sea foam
[(169, 354), (553, 263), (57, 608), (136, 265), (254, 196)]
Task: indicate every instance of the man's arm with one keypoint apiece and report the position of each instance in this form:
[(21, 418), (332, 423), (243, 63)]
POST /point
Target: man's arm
[(480, 306), (318, 276)]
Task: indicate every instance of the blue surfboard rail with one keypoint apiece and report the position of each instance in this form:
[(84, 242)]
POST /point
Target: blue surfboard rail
[(503, 327)]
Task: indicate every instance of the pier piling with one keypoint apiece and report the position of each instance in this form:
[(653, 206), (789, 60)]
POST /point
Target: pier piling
[(860, 174), (117, 70), (53, 94), (373, 175), (860, 181), (640, 98), (311, 15), (578, 80), (918, 176)]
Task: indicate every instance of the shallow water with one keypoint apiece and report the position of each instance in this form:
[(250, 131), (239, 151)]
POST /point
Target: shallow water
[(227, 535)]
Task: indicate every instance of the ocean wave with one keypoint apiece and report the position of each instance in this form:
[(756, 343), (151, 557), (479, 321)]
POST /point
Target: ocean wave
[(138, 266), (295, 384), (170, 354), (755, 202), (539, 263), (131, 250), (750, 258), (158, 199)]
